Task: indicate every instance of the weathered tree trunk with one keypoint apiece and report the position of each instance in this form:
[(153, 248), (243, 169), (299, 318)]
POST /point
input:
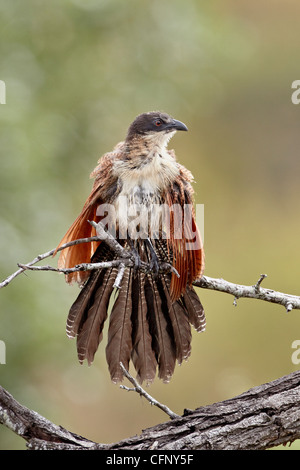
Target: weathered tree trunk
[(263, 417)]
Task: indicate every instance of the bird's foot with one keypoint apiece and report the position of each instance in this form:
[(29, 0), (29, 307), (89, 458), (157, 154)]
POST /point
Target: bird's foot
[(135, 257), (154, 262)]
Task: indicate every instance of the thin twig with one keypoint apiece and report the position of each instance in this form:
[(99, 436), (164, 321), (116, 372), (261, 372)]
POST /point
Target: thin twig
[(258, 284), (137, 388), (12, 276)]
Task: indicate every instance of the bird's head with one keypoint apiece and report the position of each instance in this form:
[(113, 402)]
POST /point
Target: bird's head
[(155, 127)]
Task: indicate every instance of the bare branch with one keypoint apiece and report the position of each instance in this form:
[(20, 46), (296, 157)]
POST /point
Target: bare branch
[(137, 388), (126, 258), (239, 291), (78, 267)]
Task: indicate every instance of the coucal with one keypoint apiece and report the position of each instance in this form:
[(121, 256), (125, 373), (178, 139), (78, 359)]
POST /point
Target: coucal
[(152, 312)]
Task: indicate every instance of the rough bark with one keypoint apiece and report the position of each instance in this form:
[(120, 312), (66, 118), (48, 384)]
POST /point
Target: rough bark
[(263, 417)]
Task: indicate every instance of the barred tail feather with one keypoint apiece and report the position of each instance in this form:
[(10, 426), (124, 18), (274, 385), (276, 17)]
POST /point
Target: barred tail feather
[(142, 355), (160, 328), (77, 311), (194, 309), (119, 343), (90, 330), (180, 324)]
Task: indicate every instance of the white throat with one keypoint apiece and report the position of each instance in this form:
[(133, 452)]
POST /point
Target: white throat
[(159, 140)]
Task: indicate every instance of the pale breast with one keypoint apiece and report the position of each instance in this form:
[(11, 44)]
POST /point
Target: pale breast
[(150, 175), (142, 182)]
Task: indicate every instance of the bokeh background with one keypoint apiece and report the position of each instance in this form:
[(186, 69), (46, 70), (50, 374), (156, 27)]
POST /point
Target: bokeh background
[(77, 72)]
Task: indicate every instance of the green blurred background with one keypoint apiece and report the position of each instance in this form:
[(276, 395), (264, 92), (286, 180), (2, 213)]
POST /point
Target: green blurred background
[(77, 72)]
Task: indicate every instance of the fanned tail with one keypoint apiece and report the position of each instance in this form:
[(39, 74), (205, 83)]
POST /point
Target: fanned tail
[(146, 325)]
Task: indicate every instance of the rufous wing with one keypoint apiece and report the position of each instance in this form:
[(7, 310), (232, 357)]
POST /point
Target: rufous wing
[(184, 241), (82, 252)]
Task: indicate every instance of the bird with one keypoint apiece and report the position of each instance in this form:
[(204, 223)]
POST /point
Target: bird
[(152, 312)]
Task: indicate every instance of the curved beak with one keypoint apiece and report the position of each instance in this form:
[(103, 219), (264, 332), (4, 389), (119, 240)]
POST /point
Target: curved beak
[(177, 125)]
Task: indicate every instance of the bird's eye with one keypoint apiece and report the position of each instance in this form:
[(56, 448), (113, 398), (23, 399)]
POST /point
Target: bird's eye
[(158, 122)]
